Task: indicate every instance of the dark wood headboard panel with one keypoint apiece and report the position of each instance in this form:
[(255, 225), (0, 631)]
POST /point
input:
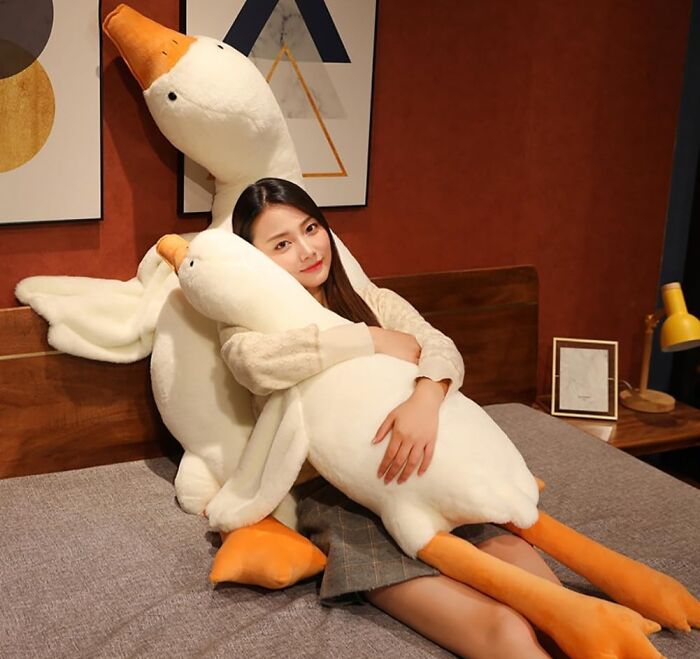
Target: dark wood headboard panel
[(60, 412), (491, 315)]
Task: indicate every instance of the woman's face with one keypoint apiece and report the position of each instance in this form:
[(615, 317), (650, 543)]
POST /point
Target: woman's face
[(296, 242)]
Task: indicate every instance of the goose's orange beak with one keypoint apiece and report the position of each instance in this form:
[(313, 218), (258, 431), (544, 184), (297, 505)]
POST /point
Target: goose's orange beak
[(148, 48), (173, 249)]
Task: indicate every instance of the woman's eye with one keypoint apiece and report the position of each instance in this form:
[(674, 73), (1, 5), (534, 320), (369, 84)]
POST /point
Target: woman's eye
[(281, 244), (312, 227)]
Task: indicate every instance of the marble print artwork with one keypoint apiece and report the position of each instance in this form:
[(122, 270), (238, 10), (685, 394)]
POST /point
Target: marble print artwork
[(286, 26), (583, 379), (318, 58)]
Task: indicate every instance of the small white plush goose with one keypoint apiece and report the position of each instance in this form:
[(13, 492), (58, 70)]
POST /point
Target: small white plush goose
[(476, 474)]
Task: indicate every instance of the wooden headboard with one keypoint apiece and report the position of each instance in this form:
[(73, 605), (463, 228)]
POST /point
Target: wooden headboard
[(61, 412)]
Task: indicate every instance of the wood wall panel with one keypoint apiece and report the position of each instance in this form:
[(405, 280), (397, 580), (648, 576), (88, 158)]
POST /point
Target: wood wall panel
[(22, 332), (62, 412)]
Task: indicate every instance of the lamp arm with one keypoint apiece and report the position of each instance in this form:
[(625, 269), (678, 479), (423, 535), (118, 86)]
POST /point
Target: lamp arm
[(650, 322)]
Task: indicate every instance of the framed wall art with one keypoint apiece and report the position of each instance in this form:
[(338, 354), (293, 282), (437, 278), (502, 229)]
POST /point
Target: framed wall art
[(50, 111), (318, 56), (584, 378)]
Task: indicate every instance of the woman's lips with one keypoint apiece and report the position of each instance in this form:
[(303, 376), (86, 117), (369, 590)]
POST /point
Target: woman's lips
[(314, 267)]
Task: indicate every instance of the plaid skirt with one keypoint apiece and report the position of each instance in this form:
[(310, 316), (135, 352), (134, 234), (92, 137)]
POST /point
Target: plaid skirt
[(361, 554)]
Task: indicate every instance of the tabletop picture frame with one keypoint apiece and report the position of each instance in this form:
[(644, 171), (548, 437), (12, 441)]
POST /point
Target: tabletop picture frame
[(584, 378)]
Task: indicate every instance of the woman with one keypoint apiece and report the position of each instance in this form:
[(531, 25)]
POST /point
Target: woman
[(281, 220)]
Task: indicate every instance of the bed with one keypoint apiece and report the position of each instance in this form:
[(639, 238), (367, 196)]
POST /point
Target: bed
[(99, 561)]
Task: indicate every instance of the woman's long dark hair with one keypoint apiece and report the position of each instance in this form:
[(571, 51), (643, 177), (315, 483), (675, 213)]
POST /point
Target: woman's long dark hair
[(340, 295)]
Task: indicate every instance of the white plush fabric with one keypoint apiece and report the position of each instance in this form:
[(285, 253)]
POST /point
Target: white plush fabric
[(476, 474), (102, 319), (225, 118)]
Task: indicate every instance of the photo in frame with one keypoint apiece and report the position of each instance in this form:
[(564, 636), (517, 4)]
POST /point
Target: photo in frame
[(50, 111), (584, 378), (318, 56)]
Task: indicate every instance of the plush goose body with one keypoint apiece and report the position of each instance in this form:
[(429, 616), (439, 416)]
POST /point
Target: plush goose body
[(213, 104), (476, 474)]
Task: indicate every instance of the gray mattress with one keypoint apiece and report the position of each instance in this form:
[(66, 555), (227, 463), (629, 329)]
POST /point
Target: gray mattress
[(101, 562)]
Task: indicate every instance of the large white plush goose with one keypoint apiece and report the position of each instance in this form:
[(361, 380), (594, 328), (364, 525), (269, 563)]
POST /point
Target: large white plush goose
[(476, 475), (213, 104)]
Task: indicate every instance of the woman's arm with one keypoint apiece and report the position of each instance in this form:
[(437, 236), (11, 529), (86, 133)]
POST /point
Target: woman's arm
[(264, 363), (439, 357)]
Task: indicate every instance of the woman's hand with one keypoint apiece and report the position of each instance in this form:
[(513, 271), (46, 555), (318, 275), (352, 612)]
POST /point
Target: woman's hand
[(397, 344), (414, 424)]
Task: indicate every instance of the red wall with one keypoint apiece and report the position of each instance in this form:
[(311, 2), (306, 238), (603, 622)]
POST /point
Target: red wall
[(503, 132)]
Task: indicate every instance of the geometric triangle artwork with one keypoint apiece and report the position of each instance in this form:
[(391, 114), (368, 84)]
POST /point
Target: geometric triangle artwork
[(286, 52), (317, 56)]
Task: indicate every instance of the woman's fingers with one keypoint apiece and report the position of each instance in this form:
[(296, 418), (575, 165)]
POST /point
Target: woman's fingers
[(413, 460), (427, 457), (383, 429), (397, 463), (389, 455)]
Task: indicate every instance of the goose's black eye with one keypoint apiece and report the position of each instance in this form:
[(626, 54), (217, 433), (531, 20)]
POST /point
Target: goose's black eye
[(172, 96), (220, 47), (191, 264)]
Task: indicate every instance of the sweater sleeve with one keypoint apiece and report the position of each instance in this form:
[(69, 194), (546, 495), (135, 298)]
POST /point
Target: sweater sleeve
[(439, 358), (264, 363)]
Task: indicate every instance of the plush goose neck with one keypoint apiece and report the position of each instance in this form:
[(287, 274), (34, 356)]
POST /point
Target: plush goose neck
[(282, 162)]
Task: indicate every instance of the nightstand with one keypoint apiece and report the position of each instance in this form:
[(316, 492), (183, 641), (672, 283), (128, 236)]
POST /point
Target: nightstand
[(641, 433)]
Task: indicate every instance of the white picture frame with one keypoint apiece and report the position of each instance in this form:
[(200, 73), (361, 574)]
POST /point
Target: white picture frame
[(584, 378), (319, 58)]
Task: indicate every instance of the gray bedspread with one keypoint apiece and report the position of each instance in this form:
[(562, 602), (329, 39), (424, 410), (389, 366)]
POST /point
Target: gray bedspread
[(101, 562)]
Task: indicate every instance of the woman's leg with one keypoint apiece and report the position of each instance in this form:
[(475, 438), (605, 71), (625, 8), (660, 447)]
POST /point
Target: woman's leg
[(459, 618), (462, 619), (515, 550)]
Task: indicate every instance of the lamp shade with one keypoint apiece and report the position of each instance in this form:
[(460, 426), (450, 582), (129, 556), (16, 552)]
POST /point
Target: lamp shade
[(681, 330)]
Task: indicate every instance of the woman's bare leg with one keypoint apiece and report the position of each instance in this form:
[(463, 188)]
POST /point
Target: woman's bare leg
[(515, 550), (462, 619), (459, 618)]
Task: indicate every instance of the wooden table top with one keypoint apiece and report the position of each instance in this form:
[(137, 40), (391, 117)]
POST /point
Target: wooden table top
[(641, 433)]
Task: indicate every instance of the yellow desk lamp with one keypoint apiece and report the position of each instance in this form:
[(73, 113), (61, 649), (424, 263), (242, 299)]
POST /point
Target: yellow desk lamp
[(680, 331)]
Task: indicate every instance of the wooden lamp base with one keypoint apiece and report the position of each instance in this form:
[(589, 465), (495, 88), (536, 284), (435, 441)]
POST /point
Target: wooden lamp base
[(647, 401)]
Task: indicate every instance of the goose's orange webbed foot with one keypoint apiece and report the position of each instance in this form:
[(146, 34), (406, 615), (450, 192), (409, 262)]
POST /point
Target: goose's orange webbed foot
[(267, 554), (651, 593), (582, 626)]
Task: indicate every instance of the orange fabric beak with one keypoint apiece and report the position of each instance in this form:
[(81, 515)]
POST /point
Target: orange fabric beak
[(148, 48), (173, 249)]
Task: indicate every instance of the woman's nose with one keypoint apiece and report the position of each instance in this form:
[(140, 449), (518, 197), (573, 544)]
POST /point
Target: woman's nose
[(305, 249)]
